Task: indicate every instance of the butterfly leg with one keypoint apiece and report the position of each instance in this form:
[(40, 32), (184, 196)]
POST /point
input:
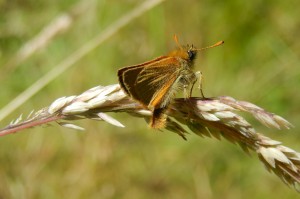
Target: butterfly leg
[(190, 81), (194, 81), (198, 75), (185, 92)]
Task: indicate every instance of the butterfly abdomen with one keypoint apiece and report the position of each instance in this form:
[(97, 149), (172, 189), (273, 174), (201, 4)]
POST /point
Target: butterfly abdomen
[(158, 119)]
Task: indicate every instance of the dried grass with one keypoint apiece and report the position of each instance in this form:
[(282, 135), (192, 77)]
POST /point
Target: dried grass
[(210, 117)]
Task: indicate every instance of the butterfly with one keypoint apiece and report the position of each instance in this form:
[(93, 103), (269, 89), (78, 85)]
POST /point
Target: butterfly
[(154, 83)]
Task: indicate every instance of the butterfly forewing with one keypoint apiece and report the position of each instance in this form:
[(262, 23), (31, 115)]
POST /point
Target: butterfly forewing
[(152, 81), (128, 75), (162, 97), (156, 82)]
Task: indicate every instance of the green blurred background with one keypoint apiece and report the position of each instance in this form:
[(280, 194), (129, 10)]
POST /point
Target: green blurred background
[(258, 63)]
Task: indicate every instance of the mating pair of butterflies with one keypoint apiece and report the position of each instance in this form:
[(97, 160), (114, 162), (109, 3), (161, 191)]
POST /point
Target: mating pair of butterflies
[(155, 83)]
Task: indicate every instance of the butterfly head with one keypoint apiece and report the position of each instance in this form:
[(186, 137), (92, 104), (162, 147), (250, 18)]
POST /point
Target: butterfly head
[(189, 52)]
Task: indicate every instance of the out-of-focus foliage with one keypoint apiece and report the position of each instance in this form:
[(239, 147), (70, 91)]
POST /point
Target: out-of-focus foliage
[(259, 62)]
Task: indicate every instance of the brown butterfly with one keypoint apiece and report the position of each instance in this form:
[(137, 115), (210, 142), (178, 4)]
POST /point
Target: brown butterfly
[(155, 83)]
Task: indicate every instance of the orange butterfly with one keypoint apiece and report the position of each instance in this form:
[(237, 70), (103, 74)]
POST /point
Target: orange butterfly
[(155, 83)]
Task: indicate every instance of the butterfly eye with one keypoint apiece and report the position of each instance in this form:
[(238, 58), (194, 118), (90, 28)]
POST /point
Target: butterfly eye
[(191, 54)]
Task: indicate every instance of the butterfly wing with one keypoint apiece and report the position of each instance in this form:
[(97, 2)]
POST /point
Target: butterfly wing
[(156, 84), (128, 76), (151, 83)]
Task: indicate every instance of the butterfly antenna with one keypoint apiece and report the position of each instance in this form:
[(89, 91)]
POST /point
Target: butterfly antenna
[(212, 46), (176, 41)]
